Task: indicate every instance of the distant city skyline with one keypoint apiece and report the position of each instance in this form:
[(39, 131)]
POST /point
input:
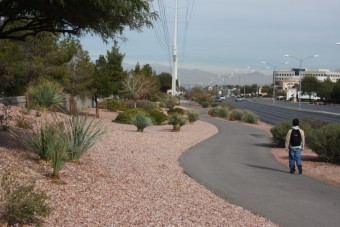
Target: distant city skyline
[(226, 35)]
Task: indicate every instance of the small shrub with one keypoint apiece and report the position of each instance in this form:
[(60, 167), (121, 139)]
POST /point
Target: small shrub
[(193, 115), (39, 139), (236, 115), (141, 121), (314, 123), (222, 112), (45, 94), (176, 110), (177, 120), (125, 117), (214, 104), (325, 142), (205, 104), (23, 122), (250, 117), (171, 102), (279, 131), (82, 134), (24, 205), (157, 116), (213, 111), (114, 105)]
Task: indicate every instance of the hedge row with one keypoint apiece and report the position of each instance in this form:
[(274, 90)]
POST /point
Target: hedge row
[(321, 137)]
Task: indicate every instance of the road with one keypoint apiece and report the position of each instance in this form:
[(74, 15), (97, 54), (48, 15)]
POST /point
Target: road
[(237, 165), (272, 114)]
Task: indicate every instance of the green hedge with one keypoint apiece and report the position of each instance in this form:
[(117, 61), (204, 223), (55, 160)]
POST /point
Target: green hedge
[(250, 117), (325, 142), (279, 131)]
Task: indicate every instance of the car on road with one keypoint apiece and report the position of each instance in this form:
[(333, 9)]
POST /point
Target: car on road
[(218, 99), (238, 99)]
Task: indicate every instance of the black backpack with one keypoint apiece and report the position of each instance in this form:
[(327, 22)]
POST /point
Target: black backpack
[(295, 138)]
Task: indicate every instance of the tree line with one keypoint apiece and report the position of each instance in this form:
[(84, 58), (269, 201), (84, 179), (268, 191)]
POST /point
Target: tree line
[(64, 60)]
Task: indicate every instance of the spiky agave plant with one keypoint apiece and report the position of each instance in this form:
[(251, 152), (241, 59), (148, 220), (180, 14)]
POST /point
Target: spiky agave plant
[(45, 95), (141, 122), (177, 120), (39, 139), (82, 134)]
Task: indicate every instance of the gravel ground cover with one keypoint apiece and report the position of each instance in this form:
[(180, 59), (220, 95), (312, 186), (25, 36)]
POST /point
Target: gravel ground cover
[(127, 179), (134, 179)]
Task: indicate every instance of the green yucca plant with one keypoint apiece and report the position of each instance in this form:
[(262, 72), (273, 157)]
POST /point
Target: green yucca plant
[(45, 94), (57, 150), (82, 134), (39, 139), (141, 121), (177, 120)]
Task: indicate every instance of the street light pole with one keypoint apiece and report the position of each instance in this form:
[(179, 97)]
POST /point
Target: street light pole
[(274, 67), (300, 81)]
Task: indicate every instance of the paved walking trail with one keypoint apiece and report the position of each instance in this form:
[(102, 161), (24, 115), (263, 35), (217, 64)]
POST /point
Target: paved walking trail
[(237, 165)]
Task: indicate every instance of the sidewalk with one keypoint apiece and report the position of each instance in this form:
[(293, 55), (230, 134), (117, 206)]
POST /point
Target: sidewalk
[(237, 165)]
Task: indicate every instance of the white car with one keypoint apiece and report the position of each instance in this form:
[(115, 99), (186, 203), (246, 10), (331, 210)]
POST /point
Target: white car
[(238, 99)]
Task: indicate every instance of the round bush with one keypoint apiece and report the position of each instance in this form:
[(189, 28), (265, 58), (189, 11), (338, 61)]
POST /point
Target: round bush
[(279, 131), (236, 115), (250, 117), (177, 119), (193, 115), (213, 111), (205, 104), (176, 110), (125, 117), (325, 142), (141, 121), (157, 116), (222, 112)]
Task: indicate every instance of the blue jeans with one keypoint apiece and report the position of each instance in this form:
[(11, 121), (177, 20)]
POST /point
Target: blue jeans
[(294, 157)]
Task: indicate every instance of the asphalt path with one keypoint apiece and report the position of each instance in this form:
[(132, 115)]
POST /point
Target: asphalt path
[(237, 165)]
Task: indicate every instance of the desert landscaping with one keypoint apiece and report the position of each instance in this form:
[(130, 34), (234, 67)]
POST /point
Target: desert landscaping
[(133, 178)]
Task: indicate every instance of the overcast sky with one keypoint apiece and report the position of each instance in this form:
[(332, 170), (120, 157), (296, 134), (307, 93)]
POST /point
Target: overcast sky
[(224, 35)]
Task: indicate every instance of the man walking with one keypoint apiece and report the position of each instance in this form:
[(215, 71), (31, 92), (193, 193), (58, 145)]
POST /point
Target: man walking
[(295, 142)]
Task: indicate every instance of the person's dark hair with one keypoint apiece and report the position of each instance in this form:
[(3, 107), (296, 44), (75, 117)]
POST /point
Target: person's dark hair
[(295, 122)]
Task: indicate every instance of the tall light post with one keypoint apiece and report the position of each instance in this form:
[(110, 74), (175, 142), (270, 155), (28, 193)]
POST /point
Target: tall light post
[(274, 67), (301, 60)]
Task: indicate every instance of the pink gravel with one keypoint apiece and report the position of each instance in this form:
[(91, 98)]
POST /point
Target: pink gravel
[(129, 178)]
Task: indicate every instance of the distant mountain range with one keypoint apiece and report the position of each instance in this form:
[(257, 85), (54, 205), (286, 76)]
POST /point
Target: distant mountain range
[(191, 77)]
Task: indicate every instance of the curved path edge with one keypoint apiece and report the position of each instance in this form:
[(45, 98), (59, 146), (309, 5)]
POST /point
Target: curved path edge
[(237, 165)]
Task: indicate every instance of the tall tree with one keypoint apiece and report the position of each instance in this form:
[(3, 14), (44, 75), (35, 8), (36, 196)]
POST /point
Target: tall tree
[(106, 18), (325, 89), (146, 70), (336, 91), (165, 80), (25, 62), (309, 85), (109, 75), (137, 85), (80, 76)]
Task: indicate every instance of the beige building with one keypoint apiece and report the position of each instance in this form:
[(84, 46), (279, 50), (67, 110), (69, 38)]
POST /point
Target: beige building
[(286, 79)]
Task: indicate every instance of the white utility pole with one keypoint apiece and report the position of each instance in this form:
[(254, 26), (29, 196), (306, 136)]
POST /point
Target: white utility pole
[(175, 59)]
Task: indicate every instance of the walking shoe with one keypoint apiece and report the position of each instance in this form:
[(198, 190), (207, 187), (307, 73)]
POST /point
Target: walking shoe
[(300, 169)]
